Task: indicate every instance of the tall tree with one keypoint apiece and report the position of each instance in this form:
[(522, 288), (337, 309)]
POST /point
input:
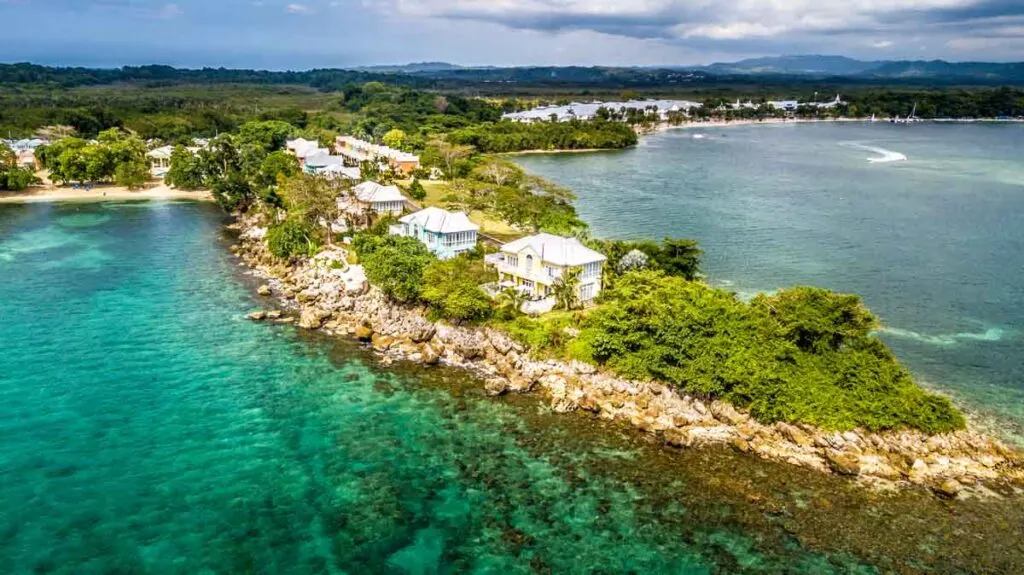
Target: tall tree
[(314, 199)]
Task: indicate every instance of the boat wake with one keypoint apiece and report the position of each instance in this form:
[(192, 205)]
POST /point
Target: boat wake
[(991, 334), (884, 155)]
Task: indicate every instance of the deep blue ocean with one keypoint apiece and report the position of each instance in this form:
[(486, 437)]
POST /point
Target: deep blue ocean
[(934, 243)]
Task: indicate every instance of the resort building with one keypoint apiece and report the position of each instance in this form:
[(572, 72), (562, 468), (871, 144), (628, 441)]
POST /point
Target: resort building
[(446, 234), (372, 197), (160, 161), (533, 264), (27, 159), (301, 147), (358, 151)]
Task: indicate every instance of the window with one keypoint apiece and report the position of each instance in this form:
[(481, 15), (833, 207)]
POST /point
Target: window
[(512, 261), (529, 263), (587, 292), (590, 271)]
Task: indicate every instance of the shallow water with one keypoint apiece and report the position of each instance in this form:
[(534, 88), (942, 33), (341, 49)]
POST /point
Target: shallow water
[(148, 428), (933, 243)]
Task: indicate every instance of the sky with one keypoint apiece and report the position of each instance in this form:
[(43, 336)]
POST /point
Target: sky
[(303, 34)]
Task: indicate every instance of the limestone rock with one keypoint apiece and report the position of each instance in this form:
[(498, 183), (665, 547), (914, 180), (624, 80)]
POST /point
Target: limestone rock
[(727, 413), (274, 314), (257, 316), (496, 386), (843, 463), (431, 354), (740, 444), (381, 342), (795, 434), (363, 332), (263, 290), (949, 488), (422, 333), (313, 318)]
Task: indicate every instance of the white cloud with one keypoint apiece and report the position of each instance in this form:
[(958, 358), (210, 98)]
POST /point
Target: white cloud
[(881, 44), (680, 19), (298, 9)]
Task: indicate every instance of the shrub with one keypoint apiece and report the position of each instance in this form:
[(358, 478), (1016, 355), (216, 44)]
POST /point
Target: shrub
[(452, 289), (291, 238), (416, 190), (394, 264), (804, 355)]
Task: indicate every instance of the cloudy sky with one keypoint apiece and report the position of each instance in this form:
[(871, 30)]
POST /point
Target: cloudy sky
[(300, 34)]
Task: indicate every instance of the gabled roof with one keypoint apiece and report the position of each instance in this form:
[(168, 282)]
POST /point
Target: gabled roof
[(324, 158), (163, 152), (440, 221), (339, 170), (556, 250), (372, 192)]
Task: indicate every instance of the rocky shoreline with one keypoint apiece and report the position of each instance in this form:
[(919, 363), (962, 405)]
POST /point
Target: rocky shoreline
[(327, 294)]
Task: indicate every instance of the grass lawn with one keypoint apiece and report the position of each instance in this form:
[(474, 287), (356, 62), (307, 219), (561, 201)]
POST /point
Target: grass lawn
[(488, 224)]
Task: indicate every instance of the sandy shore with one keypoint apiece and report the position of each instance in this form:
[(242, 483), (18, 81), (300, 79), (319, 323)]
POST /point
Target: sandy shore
[(101, 194)]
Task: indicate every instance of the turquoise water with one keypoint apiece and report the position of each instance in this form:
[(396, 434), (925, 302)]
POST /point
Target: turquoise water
[(148, 428), (934, 244)]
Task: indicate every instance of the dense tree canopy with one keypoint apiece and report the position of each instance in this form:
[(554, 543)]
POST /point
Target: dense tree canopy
[(804, 355), (116, 156)]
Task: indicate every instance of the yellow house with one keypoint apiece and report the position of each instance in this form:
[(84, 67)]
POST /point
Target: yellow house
[(534, 263)]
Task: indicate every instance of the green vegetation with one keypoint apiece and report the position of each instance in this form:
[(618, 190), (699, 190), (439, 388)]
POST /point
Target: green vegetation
[(452, 289), (574, 135), (394, 264), (116, 156), (292, 238), (804, 355), (13, 177), (676, 257), (500, 189)]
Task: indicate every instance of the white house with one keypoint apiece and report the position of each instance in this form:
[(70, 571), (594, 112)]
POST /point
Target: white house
[(382, 200), (160, 161), (534, 263), (446, 234)]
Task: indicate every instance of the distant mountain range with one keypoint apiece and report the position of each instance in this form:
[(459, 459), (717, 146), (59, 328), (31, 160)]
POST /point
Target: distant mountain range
[(896, 69), (808, 66)]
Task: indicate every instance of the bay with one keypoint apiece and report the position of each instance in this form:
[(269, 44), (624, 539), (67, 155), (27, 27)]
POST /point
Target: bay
[(934, 243)]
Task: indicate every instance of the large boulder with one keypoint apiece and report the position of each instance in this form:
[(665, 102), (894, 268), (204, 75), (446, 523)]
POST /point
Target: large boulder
[(843, 463), (948, 488), (263, 290), (496, 386), (257, 316), (431, 354), (313, 318), (795, 434), (423, 331), (363, 332)]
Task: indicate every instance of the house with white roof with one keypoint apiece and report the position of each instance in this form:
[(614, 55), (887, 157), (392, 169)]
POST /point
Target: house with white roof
[(446, 234), (160, 161), (371, 196), (535, 263)]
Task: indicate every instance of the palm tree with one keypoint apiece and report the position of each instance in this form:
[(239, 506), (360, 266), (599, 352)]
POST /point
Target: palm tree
[(513, 299), (565, 289)]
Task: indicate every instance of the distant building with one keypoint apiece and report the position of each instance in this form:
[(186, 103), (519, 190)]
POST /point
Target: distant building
[(533, 264), (27, 159), (446, 234), (588, 110), (358, 151), (160, 161), (371, 196)]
